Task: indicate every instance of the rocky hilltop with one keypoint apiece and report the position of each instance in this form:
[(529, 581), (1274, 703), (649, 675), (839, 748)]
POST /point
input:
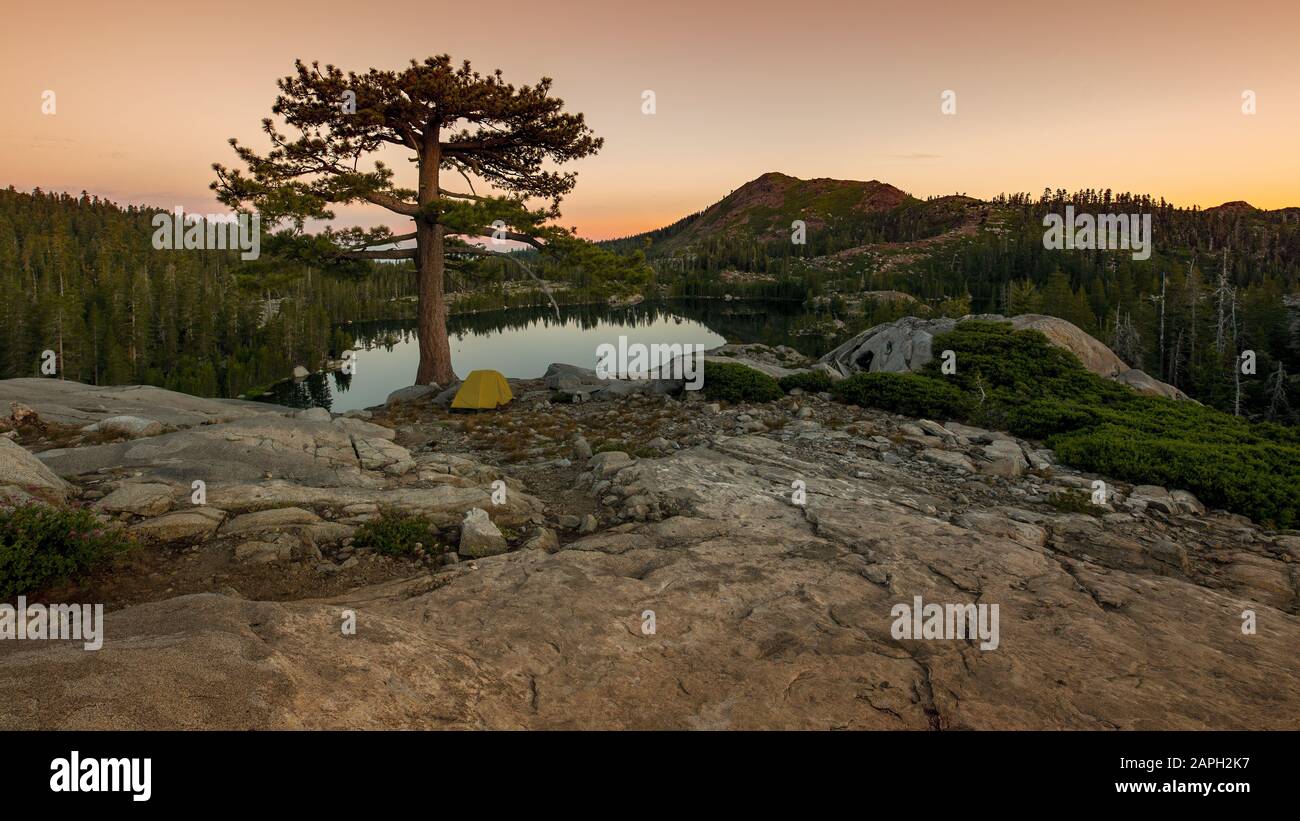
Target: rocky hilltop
[(651, 565)]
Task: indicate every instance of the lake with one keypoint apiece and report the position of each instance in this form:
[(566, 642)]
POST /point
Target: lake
[(521, 343)]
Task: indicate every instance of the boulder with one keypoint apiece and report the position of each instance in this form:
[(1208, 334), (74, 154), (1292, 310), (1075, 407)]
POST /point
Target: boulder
[(543, 538), (138, 498), (1094, 355), (479, 536), (381, 454), (893, 347), (1187, 503), (948, 458), (24, 477), (134, 427), (571, 378), (1151, 497), (413, 393), (268, 520), (1006, 459), (200, 522), (606, 463)]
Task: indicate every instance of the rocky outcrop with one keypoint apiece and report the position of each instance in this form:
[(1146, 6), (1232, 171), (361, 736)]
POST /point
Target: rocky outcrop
[(72, 403), (705, 594), (907, 345), (249, 449), (743, 571)]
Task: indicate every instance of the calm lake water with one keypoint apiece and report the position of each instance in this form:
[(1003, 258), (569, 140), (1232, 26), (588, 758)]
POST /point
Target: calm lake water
[(521, 343)]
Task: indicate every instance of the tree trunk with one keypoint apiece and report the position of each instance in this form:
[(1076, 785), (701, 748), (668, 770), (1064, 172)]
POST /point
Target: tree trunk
[(435, 350)]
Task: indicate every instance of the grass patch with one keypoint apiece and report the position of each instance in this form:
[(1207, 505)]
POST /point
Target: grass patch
[(42, 545), (395, 534)]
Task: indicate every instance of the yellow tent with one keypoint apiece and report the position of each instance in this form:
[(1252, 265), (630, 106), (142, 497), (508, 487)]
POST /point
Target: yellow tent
[(482, 390)]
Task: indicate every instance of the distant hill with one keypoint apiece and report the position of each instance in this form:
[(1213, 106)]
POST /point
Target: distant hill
[(839, 213)]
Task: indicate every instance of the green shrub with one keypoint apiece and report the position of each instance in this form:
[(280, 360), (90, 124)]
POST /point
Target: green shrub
[(733, 382), (1072, 501), (907, 393), (42, 545), (395, 534), (807, 381), (1019, 382)]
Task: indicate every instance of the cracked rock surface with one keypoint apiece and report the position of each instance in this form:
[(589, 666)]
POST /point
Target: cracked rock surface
[(766, 614)]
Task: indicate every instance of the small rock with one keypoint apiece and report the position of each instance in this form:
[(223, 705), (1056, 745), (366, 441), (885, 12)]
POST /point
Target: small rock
[(543, 538), (581, 448)]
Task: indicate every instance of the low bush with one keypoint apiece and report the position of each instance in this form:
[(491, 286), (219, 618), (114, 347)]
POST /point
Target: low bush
[(733, 382), (43, 545), (807, 381), (395, 534), (907, 393)]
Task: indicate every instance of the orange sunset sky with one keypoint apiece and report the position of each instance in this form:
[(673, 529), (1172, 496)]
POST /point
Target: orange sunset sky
[(1140, 96)]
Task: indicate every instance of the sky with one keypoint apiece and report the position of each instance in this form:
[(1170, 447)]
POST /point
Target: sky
[(1140, 96)]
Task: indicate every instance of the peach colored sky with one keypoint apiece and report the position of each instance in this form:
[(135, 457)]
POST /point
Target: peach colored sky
[(1142, 96)]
